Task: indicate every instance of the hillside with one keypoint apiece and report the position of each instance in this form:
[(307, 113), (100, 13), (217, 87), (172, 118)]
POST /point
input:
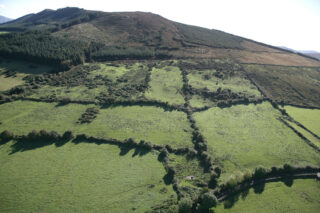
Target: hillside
[(4, 19), (132, 112), (311, 53)]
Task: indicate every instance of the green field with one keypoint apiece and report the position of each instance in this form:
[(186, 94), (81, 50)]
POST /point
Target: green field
[(310, 118), (242, 137), (147, 123), (80, 177), (7, 83), (237, 84), (165, 85), (305, 133), (197, 101), (302, 196), (21, 117)]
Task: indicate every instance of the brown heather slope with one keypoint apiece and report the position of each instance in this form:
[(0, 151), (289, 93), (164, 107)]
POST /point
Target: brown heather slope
[(147, 29)]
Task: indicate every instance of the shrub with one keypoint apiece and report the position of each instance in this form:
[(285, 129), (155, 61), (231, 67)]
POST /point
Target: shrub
[(146, 145), (171, 171), (54, 135), (43, 134), (131, 142), (33, 135), (232, 182), (185, 205), (247, 175), (260, 172), (208, 200), (68, 135), (217, 170), (287, 168), (163, 154), (192, 152)]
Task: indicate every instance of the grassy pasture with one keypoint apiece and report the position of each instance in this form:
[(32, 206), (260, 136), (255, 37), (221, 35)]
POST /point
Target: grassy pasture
[(302, 196), (21, 117), (147, 123), (165, 85), (236, 84), (305, 133), (7, 83), (198, 102), (243, 137), (310, 118), (80, 177)]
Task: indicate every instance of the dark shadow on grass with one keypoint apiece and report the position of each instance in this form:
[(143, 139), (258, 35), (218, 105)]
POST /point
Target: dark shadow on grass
[(124, 150), (61, 104), (288, 181), (259, 188), (168, 179), (140, 151), (22, 145), (137, 151), (245, 193), (4, 141)]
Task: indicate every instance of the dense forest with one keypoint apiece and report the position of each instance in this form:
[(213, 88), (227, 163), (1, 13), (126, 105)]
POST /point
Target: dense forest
[(41, 47)]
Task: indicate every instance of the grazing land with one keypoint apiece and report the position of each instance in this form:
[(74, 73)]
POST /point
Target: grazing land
[(122, 122), (66, 178), (142, 123), (305, 133), (166, 85), (307, 117), (299, 196), (237, 84), (132, 112), (21, 117), (243, 137)]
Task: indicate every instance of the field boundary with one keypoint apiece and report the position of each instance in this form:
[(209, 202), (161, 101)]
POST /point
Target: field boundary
[(243, 186)]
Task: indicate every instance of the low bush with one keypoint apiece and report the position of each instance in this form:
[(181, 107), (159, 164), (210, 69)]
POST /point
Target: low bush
[(260, 172), (208, 200), (185, 205), (6, 135), (68, 135)]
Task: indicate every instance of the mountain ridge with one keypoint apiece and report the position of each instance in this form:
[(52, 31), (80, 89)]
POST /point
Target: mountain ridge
[(4, 19), (148, 30)]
